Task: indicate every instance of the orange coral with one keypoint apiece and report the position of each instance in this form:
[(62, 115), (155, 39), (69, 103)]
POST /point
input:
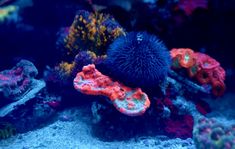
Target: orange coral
[(184, 56), (201, 66), (127, 100)]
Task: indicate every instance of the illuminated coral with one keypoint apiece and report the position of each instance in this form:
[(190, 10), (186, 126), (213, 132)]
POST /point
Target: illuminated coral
[(183, 57), (128, 101), (209, 133), (8, 13), (201, 66), (92, 31), (18, 85)]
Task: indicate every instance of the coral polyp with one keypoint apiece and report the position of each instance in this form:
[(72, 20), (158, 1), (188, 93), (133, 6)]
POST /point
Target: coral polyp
[(138, 59), (201, 66)]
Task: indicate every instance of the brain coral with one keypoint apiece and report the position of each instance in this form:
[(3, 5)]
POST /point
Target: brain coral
[(138, 60)]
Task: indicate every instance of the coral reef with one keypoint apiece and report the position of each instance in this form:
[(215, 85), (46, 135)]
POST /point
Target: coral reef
[(85, 42), (92, 32), (138, 59), (128, 101), (209, 133), (15, 82), (200, 66), (18, 86)]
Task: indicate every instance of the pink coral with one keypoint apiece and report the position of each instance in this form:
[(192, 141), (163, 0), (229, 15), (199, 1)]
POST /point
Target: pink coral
[(127, 100)]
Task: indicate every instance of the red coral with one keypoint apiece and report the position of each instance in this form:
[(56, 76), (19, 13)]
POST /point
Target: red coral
[(185, 57), (127, 100), (206, 69)]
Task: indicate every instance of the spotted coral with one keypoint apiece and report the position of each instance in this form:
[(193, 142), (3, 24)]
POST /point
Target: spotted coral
[(92, 31), (209, 133), (131, 102)]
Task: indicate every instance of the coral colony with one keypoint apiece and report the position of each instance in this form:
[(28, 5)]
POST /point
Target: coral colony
[(138, 73)]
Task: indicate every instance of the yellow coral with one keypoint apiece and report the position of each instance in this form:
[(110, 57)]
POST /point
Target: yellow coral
[(92, 32), (65, 68)]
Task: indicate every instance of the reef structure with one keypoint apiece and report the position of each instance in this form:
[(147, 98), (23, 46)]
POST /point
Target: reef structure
[(129, 101), (85, 42), (18, 85), (92, 32), (210, 133)]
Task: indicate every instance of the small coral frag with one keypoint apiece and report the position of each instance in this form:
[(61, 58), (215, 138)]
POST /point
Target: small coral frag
[(138, 59)]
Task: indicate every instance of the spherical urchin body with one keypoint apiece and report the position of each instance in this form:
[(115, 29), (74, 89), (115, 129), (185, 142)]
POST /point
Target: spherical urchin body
[(138, 59)]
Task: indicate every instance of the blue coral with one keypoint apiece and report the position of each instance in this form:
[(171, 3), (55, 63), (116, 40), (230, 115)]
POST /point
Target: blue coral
[(138, 59)]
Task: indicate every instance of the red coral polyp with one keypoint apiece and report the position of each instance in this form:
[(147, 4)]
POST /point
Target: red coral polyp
[(185, 57), (203, 76), (205, 61), (201, 66), (218, 88)]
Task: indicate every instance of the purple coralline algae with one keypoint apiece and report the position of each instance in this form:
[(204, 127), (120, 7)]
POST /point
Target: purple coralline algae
[(18, 85), (210, 133)]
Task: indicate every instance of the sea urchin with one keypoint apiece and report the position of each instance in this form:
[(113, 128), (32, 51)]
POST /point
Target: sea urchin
[(138, 59)]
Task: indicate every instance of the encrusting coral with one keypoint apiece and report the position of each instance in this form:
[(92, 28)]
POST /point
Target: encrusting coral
[(18, 85), (128, 101), (209, 133)]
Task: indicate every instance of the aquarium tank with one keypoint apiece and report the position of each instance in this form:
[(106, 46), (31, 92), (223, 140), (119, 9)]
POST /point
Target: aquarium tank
[(117, 74)]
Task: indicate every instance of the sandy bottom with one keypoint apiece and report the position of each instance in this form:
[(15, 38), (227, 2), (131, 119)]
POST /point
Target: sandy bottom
[(77, 134)]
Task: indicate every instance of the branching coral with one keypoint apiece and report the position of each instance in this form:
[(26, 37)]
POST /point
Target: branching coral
[(201, 66), (92, 32), (86, 41), (128, 101)]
